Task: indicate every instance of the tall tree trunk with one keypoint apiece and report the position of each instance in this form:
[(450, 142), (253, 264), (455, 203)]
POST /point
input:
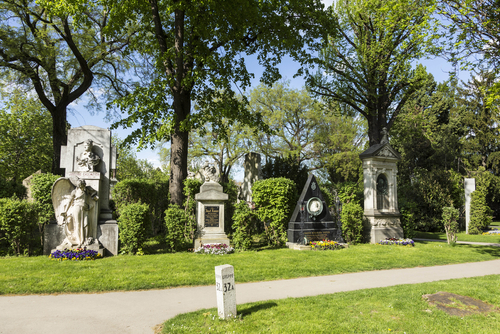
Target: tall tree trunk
[(179, 149), (59, 137)]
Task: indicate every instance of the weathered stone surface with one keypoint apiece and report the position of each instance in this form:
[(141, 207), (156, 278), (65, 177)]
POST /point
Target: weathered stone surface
[(252, 166), (225, 290), (470, 187), (457, 305)]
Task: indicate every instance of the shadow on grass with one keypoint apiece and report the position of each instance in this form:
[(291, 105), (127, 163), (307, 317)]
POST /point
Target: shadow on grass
[(256, 308), (491, 250)]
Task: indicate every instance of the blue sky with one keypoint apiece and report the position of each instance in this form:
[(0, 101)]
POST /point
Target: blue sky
[(78, 115)]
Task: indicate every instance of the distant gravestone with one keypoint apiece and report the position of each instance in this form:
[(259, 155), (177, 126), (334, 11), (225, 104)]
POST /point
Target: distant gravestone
[(470, 187), (81, 198), (381, 213), (311, 220), (226, 293), (210, 210)]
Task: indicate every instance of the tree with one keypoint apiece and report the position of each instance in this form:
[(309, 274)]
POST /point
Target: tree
[(128, 165), (366, 61), (196, 49), (26, 145), (291, 114), (58, 55)]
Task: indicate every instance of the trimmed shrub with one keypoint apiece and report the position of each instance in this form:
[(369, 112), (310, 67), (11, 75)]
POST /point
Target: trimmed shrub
[(9, 188), (480, 212), (153, 192), (244, 225), (41, 190), (408, 211), (191, 188), (352, 222), (275, 200), (133, 224), (450, 222), (231, 189), (19, 226), (176, 223)]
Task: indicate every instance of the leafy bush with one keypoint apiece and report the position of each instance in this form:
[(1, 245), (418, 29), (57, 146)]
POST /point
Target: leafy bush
[(231, 189), (41, 190), (450, 222), (153, 192), (287, 167), (275, 200), (176, 224), (19, 226), (9, 188), (244, 225), (133, 223), (352, 222), (191, 188), (480, 213), (408, 211)]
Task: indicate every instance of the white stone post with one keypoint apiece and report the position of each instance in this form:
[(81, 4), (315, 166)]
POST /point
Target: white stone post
[(226, 294), (470, 186)]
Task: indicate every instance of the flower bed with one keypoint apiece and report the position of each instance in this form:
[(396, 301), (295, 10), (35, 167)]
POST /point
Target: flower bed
[(79, 254), (216, 249), (325, 245), (495, 231), (397, 242)]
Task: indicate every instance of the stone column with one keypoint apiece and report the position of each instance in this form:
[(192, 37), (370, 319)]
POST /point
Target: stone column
[(470, 187)]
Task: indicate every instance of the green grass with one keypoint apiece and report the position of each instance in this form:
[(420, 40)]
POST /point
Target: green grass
[(461, 236), (34, 275), (495, 223), (398, 309)]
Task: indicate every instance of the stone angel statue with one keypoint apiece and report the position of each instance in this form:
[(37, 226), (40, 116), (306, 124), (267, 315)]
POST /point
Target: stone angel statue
[(75, 206), (210, 172)]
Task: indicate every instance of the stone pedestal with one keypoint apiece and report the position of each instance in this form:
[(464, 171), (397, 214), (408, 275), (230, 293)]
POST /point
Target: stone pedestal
[(381, 214), (470, 187), (210, 215)]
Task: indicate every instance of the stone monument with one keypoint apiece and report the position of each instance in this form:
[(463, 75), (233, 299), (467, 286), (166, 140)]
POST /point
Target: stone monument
[(470, 187), (81, 198), (252, 166), (381, 214), (210, 209), (311, 220), (226, 294)]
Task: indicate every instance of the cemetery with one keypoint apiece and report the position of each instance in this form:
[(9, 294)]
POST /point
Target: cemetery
[(359, 194)]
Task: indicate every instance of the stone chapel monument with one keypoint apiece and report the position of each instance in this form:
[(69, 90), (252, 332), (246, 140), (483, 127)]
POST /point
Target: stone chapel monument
[(81, 197), (381, 213)]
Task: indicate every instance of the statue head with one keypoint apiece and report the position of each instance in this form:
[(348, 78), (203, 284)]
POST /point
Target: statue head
[(88, 145)]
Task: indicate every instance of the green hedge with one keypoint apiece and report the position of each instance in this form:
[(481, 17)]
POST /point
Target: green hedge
[(178, 230), (133, 224), (275, 200), (10, 188), (352, 222), (480, 212), (244, 226), (153, 192), (19, 227)]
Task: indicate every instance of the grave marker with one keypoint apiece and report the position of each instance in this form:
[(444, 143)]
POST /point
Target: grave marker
[(226, 294)]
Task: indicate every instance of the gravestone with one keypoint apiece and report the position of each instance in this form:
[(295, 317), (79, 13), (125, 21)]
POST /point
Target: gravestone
[(252, 166), (311, 220), (470, 187), (226, 293), (381, 213), (89, 162), (210, 209)]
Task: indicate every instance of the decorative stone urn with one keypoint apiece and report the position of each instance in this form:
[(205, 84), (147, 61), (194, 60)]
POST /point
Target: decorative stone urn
[(381, 214)]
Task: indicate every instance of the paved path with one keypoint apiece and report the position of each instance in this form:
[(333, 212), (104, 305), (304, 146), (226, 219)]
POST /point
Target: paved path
[(140, 311)]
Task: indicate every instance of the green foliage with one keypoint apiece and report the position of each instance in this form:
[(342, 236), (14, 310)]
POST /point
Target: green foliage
[(176, 223), (128, 165), (153, 192), (368, 57), (450, 222), (480, 212), (231, 189), (288, 167), (352, 222), (244, 226), (408, 212), (274, 199), (350, 192), (19, 226), (133, 224), (9, 188), (327, 196), (41, 190), (191, 188), (25, 129)]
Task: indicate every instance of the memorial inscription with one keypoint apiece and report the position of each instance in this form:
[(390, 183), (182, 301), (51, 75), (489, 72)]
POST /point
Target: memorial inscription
[(211, 216)]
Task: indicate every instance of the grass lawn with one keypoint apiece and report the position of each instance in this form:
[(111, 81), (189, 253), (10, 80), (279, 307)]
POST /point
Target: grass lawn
[(398, 309), (461, 236), (34, 275)]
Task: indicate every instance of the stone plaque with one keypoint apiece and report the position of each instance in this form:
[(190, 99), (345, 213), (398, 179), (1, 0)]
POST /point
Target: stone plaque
[(211, 216), (226, 294)]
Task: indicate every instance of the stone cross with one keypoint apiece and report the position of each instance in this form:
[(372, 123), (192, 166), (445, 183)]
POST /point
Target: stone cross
[(226, 294)]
